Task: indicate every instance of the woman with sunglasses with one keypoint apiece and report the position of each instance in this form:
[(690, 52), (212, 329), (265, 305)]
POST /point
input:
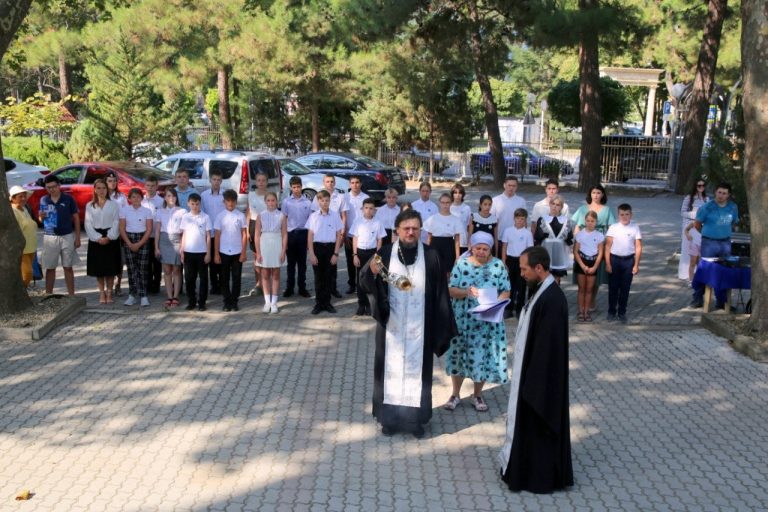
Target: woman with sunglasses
[(691, 239)]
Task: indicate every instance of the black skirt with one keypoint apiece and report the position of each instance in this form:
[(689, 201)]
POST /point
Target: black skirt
[(103, 260), (446, 251), (590, 262)]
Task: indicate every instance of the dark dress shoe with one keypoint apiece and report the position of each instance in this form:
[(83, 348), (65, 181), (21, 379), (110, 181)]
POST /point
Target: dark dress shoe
[(202, 307), (215, 291), (419, 433), (287, 293), (226, 308), (388, 431), (351, 290), (367, 312), (317, 309), (336, 294), (305, 293), (190, 306), (235, 307), (329, 308), (360, 311)]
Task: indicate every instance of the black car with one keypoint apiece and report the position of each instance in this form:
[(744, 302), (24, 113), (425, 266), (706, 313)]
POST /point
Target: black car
[(376, 177)]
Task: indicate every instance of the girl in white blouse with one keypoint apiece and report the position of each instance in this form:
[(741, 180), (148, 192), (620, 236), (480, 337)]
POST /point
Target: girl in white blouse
[(271, 241), (102, 223)]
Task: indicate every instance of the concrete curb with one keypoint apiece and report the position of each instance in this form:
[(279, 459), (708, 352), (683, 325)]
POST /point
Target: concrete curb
[(39, 332), (746, 345)]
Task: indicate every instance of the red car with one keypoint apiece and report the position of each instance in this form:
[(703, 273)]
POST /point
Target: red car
[(77, 181)]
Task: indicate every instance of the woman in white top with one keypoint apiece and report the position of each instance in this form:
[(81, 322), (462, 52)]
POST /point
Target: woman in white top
[(102, 225), (167, 244), (691, 239), (256, 205), (443, 232), (271, 240), (135, 230), (118, 197), (554, 232), (462, 212)]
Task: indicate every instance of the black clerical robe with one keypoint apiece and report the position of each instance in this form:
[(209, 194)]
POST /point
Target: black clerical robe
[(439, 328), (540, 455)]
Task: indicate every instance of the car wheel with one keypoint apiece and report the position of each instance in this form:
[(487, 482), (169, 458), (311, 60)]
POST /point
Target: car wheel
[(309, 193)]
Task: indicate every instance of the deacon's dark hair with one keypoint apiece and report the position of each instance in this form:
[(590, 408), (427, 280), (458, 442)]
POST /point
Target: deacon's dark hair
[(537, 255), (230, 195), (369, 200), (625, 207), (295, 180), (601, 189), (407, 215)]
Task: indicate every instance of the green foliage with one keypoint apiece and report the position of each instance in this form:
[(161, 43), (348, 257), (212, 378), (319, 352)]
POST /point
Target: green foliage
[(35, 151), (35, 114), (509, 100), (563, 102)]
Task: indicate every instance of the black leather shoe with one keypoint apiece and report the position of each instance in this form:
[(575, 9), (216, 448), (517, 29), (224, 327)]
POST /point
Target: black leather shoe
[(360, 311), (190, 306), (387, 431), (226, 308), (215, 291), (419, 433), (305, 293), (317, 309), (287, 293), (329, 308), (201, 307), (336, 294), (351, 290), (235, 308), (367, 312)]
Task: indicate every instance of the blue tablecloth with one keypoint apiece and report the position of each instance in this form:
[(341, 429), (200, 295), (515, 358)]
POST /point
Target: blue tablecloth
[(722, 277)]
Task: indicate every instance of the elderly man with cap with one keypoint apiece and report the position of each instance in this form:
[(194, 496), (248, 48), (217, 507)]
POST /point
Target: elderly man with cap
[(28, 226), (479, 352)]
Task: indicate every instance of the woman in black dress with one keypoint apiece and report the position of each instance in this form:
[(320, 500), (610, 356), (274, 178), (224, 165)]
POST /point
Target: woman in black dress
[(102, 227)]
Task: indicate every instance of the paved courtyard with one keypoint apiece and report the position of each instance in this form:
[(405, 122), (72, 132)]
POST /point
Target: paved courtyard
[(132, 410)]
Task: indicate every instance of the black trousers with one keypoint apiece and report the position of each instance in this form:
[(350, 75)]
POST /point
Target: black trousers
[(619, 282), (194, 267), (388, 239), (323, 272), (517, 294), (364, 255), (296, 254), (351, 268), (214, 270), (231, 272), (154, 270)]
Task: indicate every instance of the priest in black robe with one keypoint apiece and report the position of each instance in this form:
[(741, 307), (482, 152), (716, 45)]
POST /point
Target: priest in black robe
[(536, 455), (414, 321)]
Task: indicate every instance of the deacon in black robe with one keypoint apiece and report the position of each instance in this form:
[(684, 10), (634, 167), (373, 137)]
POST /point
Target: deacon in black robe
[(438, 324), (536, 456)]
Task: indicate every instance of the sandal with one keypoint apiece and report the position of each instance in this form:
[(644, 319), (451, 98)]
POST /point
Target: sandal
[(167, 303), (581, 317), (174, 302), (587, 317), (108, 298), (452, 403), (479, 403), (102, 297)]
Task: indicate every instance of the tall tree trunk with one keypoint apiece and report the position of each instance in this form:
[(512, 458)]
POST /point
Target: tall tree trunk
[(590, 103), (315, 113), (236, 135), (754, 48), (225, 124), (703, 84), (65, 79), (13, 295), (489, 105)]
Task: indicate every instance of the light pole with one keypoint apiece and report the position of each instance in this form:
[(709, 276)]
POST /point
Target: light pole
[(544, 107), (680, 92)]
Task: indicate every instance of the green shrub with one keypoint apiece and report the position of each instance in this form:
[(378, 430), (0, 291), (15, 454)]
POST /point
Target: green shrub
[(35, 151)]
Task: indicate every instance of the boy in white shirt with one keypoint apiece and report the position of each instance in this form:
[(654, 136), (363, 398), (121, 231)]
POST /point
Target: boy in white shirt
[(213, 204), (425, 207), (387, 213), (230, 241), (367, 235), (623, 248), (515, 240), (324, 238), (153, 202), (195, 252)]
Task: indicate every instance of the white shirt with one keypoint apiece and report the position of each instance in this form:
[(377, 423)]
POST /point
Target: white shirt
[(368, 232), (194, 228), (153, 203), (102, 218), (170, 219), (135, 218), (589, 242), (271, 221), (462, 212), (338, 203), (256, 204), (504, 207), (387, 216), (442, 225), (541, 209), (230, 225), (624, 237), (120, 198), (297, 210), (517, 240), (426, 209), (212, 204), (324, 226), (355, 205)]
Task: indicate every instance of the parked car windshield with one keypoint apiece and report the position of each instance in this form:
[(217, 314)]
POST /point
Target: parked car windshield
[(369, 162), (294, 168), (226, 167)]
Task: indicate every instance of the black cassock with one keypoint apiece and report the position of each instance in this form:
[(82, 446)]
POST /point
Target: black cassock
[(540, 456), (439, 328)]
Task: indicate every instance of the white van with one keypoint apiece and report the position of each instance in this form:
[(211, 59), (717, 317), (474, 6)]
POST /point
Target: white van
[(238, 169)]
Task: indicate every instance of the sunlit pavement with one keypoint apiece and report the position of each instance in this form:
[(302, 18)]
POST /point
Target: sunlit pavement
[(138, 410)]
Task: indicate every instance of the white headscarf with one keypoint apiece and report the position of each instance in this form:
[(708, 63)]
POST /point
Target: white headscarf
[(478, 237)]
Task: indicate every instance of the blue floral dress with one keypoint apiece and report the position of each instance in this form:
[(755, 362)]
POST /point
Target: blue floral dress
[(479, 352)]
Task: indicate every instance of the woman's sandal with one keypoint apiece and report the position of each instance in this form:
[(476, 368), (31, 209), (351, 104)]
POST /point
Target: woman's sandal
[(479, 403), (167, 303), (581, 317), (587, 317), (174, 302), (102, 297)]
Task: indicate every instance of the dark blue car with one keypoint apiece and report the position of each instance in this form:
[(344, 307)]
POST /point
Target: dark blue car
[(516, 156)]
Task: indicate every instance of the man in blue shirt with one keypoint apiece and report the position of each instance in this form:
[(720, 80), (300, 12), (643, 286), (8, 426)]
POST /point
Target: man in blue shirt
[(61, 238), (715, 220)]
